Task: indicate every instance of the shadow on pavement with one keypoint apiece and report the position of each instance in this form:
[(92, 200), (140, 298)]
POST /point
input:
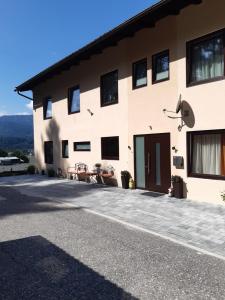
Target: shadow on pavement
[(34, 268), (12, 202)]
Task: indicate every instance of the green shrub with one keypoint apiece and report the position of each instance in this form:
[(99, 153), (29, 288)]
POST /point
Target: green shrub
[(24, 158), (31, 169), (51, 172)]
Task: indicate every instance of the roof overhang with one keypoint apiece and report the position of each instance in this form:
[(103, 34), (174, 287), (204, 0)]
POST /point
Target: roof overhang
[(145, 19)]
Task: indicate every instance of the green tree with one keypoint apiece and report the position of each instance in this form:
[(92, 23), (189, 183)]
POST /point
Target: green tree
[(3, 153)]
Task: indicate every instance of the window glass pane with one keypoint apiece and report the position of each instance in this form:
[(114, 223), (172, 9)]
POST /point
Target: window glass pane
[(207, 154), (48, 152), (110, 148), (109, 88), (82, 146), (207, 59), (75, 100), (161, 67), (158, 166), (48, 109), (140, 73), (65, 149), (140, 162)]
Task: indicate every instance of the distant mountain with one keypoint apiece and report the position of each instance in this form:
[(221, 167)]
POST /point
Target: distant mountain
[(16, 132)]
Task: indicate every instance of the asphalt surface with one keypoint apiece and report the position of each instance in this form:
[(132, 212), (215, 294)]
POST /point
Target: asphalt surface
[(52, 251)]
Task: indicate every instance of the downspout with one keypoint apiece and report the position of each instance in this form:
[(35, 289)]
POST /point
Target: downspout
[(18, 92)]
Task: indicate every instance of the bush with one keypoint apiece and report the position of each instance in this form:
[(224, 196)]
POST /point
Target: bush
[(51, 172), (24, 158), (31, 169), (3, 153)]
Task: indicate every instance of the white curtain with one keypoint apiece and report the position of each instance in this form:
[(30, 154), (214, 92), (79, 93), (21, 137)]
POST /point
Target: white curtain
[(207, 154), (208, 60)]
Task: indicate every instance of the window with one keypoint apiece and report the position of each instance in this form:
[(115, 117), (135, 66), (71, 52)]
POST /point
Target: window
[(48, 152), (47, 108), (109, 88), (65, 149), (110, 148), (140, 74), (74, 100), (205, 59), (160, 67), (82, 146), (206, 154)]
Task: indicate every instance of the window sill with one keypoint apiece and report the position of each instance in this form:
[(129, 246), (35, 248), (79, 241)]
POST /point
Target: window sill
[(190, 84), (139, 86), (110, 158), (108, 104), (49, 118), (205, 176), (161, 80), (73, 112)]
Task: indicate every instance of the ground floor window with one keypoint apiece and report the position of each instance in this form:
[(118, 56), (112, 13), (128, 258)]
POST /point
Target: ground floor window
[(65, 149), (48, 152), (207, 154), (82, 146), (110, 148)]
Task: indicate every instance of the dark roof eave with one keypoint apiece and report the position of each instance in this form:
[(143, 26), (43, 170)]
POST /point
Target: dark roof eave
[(147, 18)]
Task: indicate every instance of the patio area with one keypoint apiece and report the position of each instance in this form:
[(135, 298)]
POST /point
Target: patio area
[(197, 224)]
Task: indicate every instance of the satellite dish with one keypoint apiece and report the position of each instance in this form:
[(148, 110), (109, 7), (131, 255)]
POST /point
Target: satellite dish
[(179, 104)]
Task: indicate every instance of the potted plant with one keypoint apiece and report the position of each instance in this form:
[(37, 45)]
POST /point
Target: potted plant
[(31, 169), (223, 196), (51, 172)]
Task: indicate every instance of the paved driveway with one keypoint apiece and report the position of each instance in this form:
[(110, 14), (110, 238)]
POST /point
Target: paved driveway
[(50, 250), (200, 225)]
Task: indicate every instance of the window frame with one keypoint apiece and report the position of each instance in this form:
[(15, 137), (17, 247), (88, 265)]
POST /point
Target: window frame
[(65, 142), (81, 143), (70, 90), (101, 89), (104, 157), (190, 138), (154, 58), (134, 86), (45, 105), (189, 46), (45, 155)]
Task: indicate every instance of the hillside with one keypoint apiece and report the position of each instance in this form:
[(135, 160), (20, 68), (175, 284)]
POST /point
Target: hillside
[(16, 132)]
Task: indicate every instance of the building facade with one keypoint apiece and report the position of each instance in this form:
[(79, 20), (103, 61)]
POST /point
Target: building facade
[(147, 97)]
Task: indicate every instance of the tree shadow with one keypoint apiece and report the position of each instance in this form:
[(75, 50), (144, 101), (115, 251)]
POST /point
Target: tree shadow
[(34, 268), (12, 202)]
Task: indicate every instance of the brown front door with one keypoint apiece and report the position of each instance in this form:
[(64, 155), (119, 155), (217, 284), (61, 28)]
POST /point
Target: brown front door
[(157, 162)]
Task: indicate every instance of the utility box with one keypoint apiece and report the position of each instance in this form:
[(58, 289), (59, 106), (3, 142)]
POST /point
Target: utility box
[(178, 162)]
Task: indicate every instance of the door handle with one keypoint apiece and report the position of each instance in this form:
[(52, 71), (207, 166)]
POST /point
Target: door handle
[(148, 163)]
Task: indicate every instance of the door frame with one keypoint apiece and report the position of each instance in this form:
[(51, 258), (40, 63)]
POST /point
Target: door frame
[(134, 159)]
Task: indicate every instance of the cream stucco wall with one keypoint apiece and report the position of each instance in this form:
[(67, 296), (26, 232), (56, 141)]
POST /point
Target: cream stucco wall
[(139, 109)]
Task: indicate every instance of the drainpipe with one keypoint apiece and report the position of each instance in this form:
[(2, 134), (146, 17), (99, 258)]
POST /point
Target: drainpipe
[(18, 92)]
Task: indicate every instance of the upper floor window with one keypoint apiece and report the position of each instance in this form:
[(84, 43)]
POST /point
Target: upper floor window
[(74, 100), (47, 108), (205, 58), (206, 153), (65, 149), (110, 148), (48, 152), (109, 88), (160, 66), (140, 74)]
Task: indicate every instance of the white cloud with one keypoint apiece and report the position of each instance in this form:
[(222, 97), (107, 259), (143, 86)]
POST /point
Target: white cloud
[(30, 105)]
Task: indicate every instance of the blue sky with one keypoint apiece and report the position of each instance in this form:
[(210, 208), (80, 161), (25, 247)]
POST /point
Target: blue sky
[(37, 33)]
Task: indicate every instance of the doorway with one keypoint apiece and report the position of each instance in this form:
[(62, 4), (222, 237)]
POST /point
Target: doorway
[(152, 162)]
